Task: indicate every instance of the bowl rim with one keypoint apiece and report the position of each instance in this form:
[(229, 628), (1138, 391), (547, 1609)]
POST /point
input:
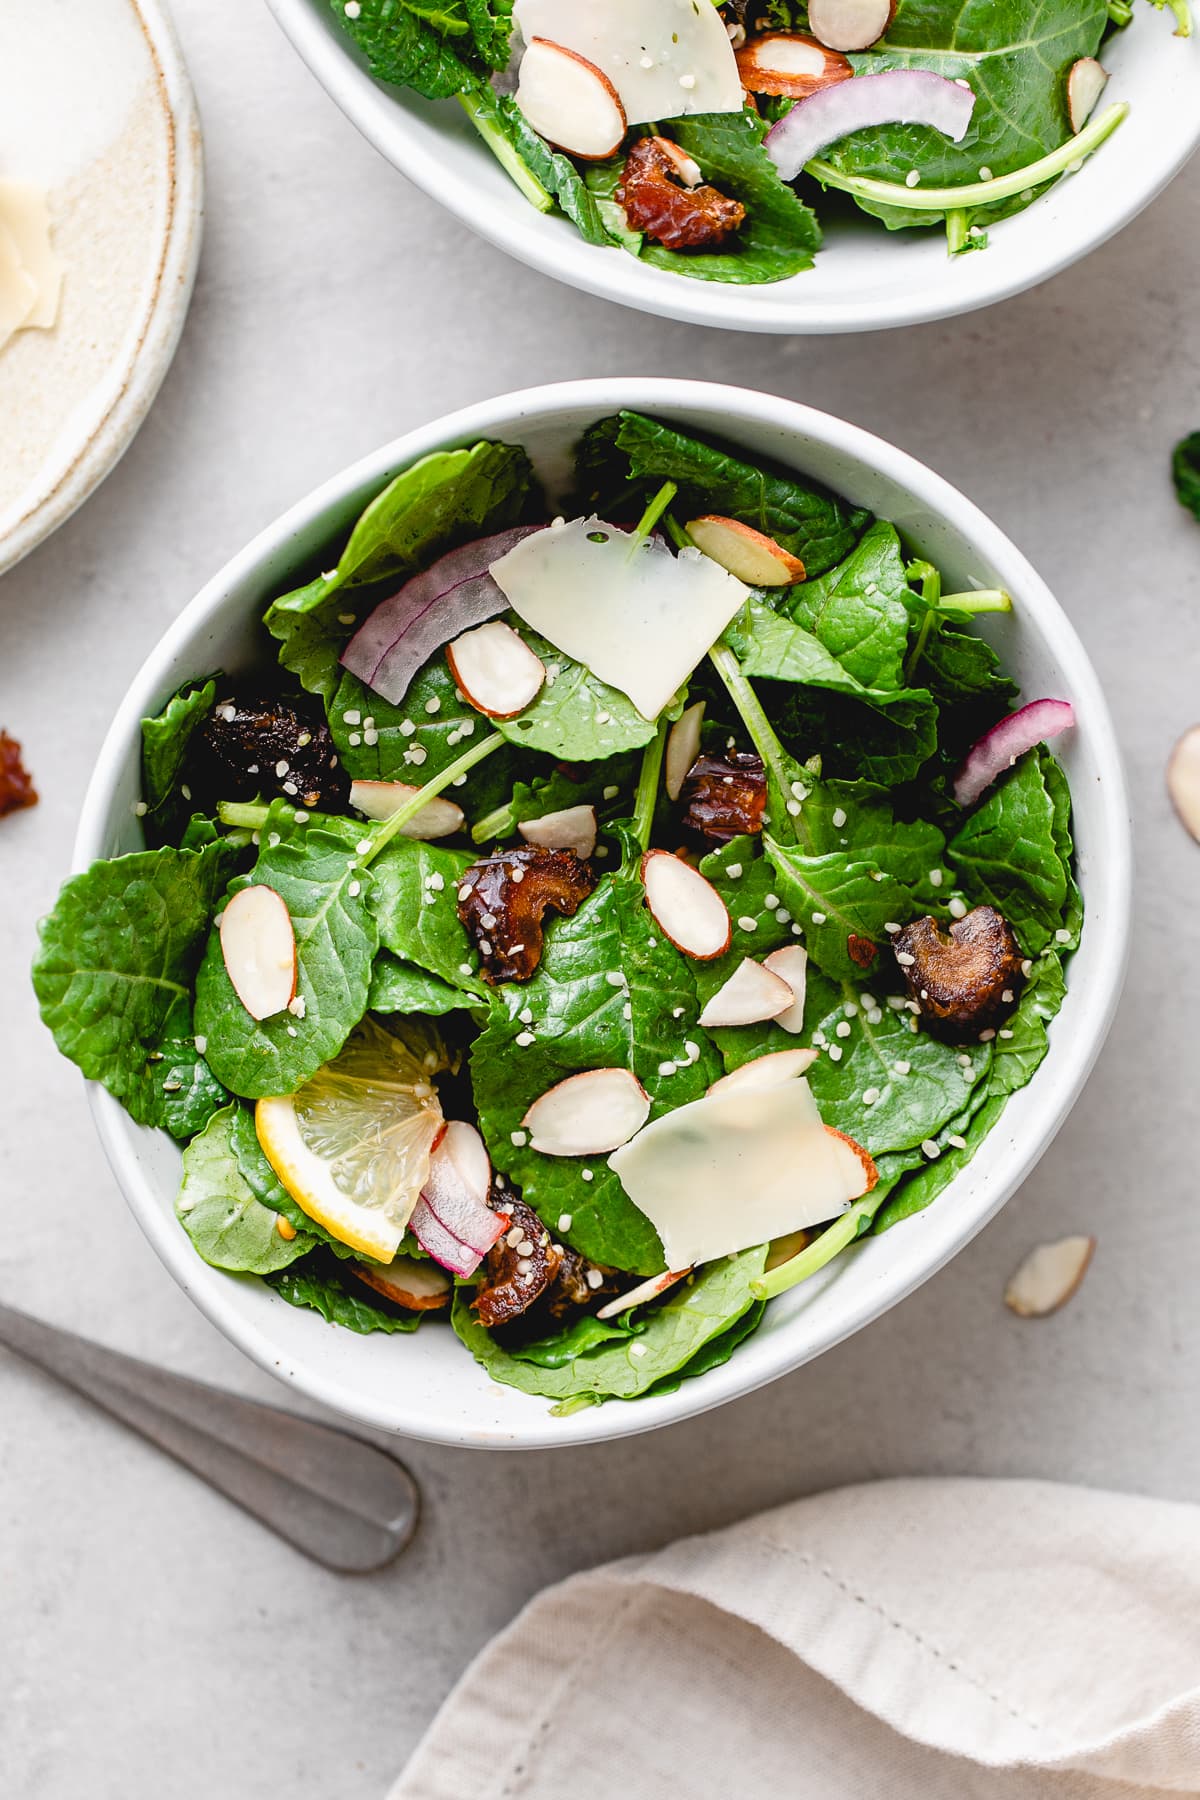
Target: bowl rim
[(402, 142), (1061, 1083)]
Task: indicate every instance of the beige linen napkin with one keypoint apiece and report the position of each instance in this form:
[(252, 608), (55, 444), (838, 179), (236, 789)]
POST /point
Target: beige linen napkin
[(908, 1640)]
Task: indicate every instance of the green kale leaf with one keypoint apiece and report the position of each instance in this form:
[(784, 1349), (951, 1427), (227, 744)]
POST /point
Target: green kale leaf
[(622, 460), (165, 740), (1007, 852), (665, 1341), (341, 1299), (437, 51), (415, 905), (1185, 467), (229, 1227), (113, 975), (447, 498), (399, 987), (313, 867)]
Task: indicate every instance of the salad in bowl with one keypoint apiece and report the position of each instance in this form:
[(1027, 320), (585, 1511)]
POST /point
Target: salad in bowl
[(567, 923), (715, 141)]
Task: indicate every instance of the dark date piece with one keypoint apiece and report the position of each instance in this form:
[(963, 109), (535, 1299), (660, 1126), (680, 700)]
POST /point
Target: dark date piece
[(966, 980), (658, 203), (257, 744), (503, 900), (723, 797), (16, 786)]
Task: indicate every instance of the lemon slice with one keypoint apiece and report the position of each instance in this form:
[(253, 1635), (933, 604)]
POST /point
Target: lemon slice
[(352, 1145)]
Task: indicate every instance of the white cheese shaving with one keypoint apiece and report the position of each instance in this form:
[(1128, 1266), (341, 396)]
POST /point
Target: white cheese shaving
[(664, 57), (639, 617), (736, 1168)]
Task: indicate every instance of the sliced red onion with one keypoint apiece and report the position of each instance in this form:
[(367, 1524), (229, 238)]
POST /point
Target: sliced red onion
[(1000, 747), (897, 97), (450, 596), (441, 1244)]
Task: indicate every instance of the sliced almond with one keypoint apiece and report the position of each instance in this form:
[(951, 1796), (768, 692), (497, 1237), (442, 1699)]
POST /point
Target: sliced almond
[(1183, 780), (570, 102), (751, 995), (588, 1114), (791, 964), (1086, 82), (755, 559), (496, 671), (787, 62), (259, 948), (686, 905), (686, 167), (408, 1281), (574, 828), (438, 818), (1048, 1277), (850, 24), (683, 747), (766, 1071), (638, 1296)]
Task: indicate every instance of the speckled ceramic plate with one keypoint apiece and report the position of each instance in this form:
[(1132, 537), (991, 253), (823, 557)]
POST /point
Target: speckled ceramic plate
[(96, 107)]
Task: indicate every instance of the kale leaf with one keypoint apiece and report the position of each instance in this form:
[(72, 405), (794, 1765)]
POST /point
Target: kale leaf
[(1014, 55), (342, 1300), (229, 1227), (1185, 468), (436, 51), (779, 233), (415, 905), (447, 498), (313, 867), (1007, 852), (113, 974), (399, 987), (624, 459), (165, 740), (611, 991), (664, 1343)]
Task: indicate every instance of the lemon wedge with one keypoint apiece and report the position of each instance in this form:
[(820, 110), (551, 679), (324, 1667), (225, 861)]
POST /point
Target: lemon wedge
[(352, 1146)]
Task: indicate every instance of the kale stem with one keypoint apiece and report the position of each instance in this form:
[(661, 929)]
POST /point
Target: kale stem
[(975, 193), (399, 819), (506, 155), (1120, 12), (497, 823), (931, 593), (647, 787), (981, 600), (832, 1241), (956, 231), (1183, 14), (250, 815), (652, 515)]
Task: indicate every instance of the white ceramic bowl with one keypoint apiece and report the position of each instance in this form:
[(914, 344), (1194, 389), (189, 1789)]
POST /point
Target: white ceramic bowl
[(427, 1385), (865, 279)]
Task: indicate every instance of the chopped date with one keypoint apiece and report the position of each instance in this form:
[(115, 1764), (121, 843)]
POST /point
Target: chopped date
[(16, 786), (724, 796), (517, 1269), (965, 979), (503, 899), (256, 744), (678, 217)]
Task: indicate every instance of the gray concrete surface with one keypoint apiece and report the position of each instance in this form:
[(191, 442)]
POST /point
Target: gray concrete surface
[(154, 1642)]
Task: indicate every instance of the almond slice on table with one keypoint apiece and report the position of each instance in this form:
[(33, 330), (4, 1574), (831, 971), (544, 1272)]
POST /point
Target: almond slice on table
[(258, 945), (574, 828), (408, 1281), (850, 24), (787, 62), (570, 102), (686, 905), (438, 818), (751, 994), (1085, 84), (496, 671), (754, 558), (791, 964), (766, 1071), (588, 1114), (1183, 780), (683, 747), (1048, 1277)]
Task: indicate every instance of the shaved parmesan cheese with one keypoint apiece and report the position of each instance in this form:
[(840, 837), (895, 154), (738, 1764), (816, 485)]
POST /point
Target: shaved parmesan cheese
[(736, 1168), (23, 211), (664, 57), (639, 617), (18, 290)]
